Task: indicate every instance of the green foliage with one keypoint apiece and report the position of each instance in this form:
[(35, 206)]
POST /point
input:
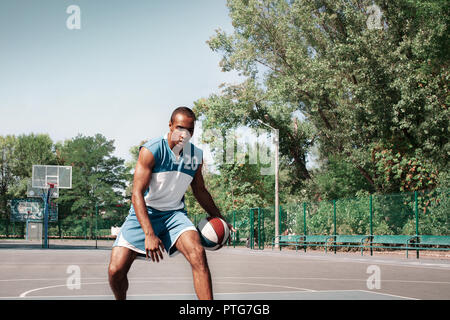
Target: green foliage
[(336, 179), (355, 86), (398, 171), (434, 209), (98, 177), (130, 165), (7, 177), (33, 149), (18, 154)]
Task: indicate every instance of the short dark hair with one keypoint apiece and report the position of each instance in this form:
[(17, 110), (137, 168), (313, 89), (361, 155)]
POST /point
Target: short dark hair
[(183, 110)]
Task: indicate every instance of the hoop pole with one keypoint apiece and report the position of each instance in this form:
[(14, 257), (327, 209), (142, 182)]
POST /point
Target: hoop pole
[(46, 198)]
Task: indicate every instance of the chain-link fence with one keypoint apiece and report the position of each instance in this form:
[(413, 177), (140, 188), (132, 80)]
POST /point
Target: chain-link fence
[(409, 213)]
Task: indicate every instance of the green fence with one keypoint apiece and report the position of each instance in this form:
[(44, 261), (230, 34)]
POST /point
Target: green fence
[(413, 213), (85, 228)]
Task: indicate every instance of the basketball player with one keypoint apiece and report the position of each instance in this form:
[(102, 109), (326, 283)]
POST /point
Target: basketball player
[(157, 221)]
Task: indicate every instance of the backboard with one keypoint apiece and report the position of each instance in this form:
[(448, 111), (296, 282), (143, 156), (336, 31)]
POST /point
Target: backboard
[(44, 175), (31, 210)]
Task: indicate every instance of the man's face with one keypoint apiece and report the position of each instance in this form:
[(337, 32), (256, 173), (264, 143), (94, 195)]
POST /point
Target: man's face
[(181, 129)]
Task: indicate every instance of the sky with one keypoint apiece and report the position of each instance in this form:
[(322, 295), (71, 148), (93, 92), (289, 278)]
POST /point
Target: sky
[(120, 74)]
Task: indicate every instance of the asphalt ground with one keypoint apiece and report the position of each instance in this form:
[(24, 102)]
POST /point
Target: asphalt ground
[(73, 271)]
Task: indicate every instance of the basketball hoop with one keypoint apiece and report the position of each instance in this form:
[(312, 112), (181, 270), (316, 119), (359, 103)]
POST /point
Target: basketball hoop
[(49, 178)]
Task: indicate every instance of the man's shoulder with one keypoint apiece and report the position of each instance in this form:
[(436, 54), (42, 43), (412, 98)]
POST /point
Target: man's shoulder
[(153, 144), (196, 148)]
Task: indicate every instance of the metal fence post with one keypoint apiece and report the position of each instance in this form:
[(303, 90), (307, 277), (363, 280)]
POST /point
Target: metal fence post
[(252, 225), (259, 228), (280, 218), (96, 224), (416, 210), (334, 214), (304, 218), (371, 223), (304, 223), (234, 226)]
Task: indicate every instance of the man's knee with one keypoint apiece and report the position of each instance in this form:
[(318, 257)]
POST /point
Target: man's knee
[(120, 263), (197, 257), (116, 272)]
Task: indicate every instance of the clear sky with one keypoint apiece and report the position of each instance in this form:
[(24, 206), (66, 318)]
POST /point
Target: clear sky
[(121, 74)]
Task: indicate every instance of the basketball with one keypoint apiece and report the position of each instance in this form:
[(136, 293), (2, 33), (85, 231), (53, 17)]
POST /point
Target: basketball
[(214, 233)]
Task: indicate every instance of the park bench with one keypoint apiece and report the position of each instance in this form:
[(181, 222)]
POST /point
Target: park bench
[(398, 241), (288, 240), (316, 240), (351, 241), (430, 242)]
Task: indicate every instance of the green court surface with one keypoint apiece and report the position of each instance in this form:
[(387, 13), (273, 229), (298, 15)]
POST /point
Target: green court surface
[(69, 271)]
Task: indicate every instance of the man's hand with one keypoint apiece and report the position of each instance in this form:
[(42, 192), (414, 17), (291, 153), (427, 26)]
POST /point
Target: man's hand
[(229, 224), (204, 197), (152, 247)]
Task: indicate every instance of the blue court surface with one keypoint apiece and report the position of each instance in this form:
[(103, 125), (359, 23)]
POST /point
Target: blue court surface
[(74, 272)]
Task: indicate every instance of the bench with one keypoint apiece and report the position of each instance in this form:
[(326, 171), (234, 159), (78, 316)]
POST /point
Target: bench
[(351, 241), (316, 240), (425, 241), (288, 240), (403, 240)]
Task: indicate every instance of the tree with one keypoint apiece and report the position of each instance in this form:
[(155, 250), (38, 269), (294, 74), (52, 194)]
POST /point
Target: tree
[(31, 149), (130, 165), (98, 177), (7, 178), (357, 87), (18, 155)]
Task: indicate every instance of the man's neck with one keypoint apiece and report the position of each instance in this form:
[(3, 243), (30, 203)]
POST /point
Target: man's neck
[(169, 140)]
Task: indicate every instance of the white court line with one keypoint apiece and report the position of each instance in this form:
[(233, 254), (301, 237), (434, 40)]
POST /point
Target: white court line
[(164, 279), (215, 294), (25, 294), (95, 278), (366, 259), (266, 285), (164, 294), (379, 293), (338, 279), (388, 294)]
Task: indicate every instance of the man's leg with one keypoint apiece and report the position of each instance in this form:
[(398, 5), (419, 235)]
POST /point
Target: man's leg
[(121, 260), (189, 245)]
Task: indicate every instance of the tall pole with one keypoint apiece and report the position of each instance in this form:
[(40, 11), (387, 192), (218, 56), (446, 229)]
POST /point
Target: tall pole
[(46, 205), (277, 206)]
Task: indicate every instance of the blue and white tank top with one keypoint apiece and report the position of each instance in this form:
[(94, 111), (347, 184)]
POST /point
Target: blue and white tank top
[(170, 176)]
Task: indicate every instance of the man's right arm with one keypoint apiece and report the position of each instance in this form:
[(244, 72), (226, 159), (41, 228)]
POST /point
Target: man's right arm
[(141, 182)]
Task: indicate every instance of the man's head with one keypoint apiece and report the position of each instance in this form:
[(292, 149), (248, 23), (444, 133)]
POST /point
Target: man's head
[(183, 110), (182, 123)]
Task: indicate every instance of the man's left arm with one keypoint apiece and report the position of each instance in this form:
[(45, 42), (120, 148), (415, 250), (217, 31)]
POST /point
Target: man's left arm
[(204, 197)]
